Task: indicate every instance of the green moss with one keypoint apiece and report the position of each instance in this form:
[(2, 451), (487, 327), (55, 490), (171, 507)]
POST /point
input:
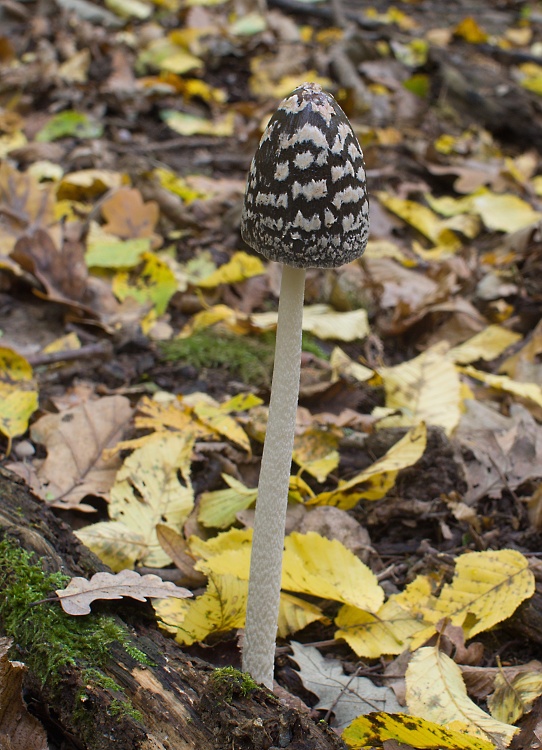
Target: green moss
[(45, 637), (248, 357), (122, 708), (229, 681)]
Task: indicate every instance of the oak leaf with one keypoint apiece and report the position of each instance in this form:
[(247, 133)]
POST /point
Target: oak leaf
[(79, 594)]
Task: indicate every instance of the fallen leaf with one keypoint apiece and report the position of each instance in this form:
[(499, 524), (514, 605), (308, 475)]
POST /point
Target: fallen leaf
[(436, 691), (374, 482), (295, 614), (19, 729), (513, 697), (487, 345), (147, 490), (392, 629), (487, 588), (218, 509), (79, 594), (325, 568), (424, 389), (128, 216), (242, 266), (376, 730), (323, 321), (499, 452), (75, 440), (347, 696), (18, 393), (220, 609)]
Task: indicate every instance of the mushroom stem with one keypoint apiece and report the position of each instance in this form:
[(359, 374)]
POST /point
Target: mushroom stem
[(270, 519)]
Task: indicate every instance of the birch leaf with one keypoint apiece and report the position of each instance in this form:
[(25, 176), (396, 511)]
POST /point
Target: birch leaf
[(435, 691), (79, 594), (486, 589), (220, 609), (514, 697), (375, 729), (147, 490), (424, 389), (325, 568), (529, 391), (375, 481), (391, 629), (487, 345), (218, 509), (295, 614)]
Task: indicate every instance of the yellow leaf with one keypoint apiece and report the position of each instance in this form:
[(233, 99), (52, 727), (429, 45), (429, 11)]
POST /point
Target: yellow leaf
[(241, 266), (219, 509), (295, 614), (156, 414), (504, 213), (391, 629), (325, 568), (18, 394), (234, 539), (435, 691), (211, 316), (177, 185), (487, 345), (372, 730), (342, 365), (116, 544), (530, 391), (89, 183), (215, 418), (323, 321), (220, 609), (486, 589), (421, 218), (164, 54), (380, 477), (130, 8), (186, 124), (147, 490), (469, 30), (514, 698), (316, 452), (152, 282), (108, 251), (426, 389)]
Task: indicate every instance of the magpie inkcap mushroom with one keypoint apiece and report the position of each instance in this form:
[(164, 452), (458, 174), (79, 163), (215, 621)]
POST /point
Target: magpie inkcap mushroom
[(305, 206)]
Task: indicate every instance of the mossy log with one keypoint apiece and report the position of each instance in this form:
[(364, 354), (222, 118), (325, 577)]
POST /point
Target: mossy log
[(141, 692)]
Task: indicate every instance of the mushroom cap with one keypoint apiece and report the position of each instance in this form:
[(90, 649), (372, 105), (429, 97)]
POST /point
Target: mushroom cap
[(306, 201)]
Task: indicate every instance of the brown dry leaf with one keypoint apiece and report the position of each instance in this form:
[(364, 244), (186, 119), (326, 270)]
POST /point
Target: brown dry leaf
[(79, 594), (26, 205), (176, 547), (75, 440), (63, 272), (498, 452), (129, 217), (19, 730)]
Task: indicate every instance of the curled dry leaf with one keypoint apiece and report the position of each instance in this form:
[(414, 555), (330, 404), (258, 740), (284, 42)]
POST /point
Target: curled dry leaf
[(19, 730), (77, 597)]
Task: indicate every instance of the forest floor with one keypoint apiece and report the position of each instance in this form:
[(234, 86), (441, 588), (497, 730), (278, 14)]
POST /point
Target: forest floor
[(126, 132)]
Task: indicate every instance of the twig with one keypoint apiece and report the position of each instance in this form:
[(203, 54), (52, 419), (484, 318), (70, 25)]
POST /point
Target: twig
[(100, 349)]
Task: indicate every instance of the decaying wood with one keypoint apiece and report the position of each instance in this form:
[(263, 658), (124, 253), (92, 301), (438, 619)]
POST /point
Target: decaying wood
[(182, 708)]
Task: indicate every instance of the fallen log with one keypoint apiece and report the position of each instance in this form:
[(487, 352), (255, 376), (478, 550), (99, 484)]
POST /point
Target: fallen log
[(136, 690)]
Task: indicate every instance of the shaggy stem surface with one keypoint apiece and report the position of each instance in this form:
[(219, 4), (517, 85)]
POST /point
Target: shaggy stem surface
[(268, 541)]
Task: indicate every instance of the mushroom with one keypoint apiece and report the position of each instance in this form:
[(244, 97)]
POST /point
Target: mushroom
[(305, 206)]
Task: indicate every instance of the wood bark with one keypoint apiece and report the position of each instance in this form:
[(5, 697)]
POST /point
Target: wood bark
[(181, 708)]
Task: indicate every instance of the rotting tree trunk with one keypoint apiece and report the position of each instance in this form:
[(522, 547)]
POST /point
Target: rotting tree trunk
[(179, 707)]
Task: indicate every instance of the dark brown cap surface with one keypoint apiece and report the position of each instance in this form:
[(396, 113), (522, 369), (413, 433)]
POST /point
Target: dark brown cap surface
[(306, 200)]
